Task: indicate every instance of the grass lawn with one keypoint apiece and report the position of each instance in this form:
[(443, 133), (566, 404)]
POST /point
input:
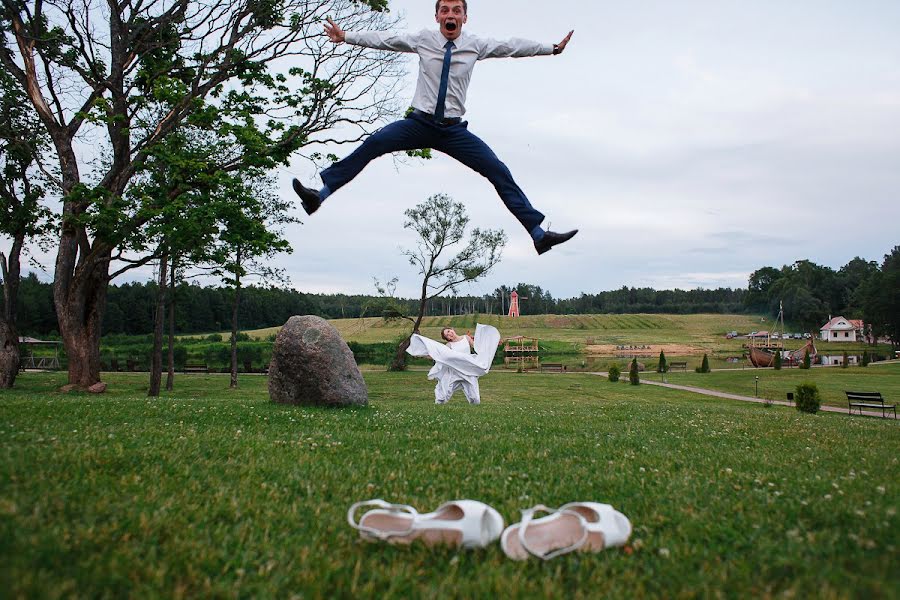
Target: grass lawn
[(220, 493), (774, 385)]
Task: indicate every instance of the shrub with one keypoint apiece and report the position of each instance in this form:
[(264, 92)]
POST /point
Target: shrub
[(807, 398), (777, 361), (215, 337), (846, 361), (704, 366), (865, 358), (614, 373), (806, 360), (663, 367), (633, 376)]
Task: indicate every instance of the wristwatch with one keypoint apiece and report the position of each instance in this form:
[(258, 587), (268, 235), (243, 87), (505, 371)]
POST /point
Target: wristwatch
[(556, 49)]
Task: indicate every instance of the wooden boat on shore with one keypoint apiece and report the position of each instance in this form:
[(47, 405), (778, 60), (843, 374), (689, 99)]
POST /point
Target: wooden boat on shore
[(765, 357)]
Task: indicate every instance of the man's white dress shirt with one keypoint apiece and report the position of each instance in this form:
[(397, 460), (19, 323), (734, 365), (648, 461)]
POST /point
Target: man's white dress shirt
[(429, 45)]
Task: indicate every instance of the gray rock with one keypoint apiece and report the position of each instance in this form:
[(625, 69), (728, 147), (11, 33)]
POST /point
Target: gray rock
[(311, 365)]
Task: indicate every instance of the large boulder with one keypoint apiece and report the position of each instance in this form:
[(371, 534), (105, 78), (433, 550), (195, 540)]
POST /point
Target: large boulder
[(313, 366)]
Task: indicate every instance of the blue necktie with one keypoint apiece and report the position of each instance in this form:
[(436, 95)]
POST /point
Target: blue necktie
[(442, 89)]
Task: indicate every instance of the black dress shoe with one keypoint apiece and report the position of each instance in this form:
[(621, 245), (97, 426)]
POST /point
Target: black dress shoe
[(308, 198), (552, 238)]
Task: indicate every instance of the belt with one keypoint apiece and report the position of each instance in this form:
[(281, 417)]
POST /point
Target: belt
[(430, 117)]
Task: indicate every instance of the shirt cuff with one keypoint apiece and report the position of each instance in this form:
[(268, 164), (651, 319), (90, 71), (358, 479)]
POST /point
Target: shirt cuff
[(546, 49), (351, 37)]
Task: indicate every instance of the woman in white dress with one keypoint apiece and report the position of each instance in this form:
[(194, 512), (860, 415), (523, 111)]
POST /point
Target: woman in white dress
[(455, 367)]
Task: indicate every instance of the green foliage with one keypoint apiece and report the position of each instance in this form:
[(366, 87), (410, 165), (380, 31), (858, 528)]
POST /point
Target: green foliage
[(614, 372), (807, 398), (778, 360), (662, 367), (806, 364), (866, 359), (704, 365), (845, 363), (634, 377), (879, 296)]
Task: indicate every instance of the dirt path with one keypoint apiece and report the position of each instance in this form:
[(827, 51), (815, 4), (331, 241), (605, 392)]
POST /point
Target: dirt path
[(726, 395)]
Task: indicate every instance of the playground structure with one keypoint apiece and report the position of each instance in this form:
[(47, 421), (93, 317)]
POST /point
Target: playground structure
[(520, 353), (29, 361)]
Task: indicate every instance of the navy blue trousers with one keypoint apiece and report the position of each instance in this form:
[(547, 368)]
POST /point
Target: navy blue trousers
[(415, 132)]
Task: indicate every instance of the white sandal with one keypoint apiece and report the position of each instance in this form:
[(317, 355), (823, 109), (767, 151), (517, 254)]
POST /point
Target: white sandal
[(466, 523), (575, 526)]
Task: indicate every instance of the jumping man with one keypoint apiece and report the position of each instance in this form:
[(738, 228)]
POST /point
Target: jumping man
[(446, 60)]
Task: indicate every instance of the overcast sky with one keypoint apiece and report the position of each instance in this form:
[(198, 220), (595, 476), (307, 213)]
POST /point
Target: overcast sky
[(691, 143)]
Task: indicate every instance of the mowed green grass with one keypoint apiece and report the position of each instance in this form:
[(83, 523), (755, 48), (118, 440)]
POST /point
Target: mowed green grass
[(832, 382), (701, 330), (217, 493)]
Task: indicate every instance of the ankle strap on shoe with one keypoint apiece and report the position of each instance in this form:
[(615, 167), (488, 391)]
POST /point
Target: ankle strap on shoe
[(378, 503), (528, 516)]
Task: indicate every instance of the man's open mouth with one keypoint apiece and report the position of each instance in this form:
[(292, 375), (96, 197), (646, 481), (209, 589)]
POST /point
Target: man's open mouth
[(450, 25)]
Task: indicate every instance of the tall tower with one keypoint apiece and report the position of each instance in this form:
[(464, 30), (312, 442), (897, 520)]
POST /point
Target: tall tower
[(513, 304)]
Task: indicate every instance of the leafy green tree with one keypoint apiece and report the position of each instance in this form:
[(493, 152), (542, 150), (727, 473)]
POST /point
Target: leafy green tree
[(22, 213), (849, 279), (761, 280), (778, 361), (880, 299), (634, 377), (614, 373), (130, 75), (440, 224), (845, 363), (704, 365), (663, 367), (807, 361), (866, 359)]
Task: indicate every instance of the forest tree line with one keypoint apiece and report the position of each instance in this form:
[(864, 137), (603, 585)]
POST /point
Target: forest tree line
[(810, 293)]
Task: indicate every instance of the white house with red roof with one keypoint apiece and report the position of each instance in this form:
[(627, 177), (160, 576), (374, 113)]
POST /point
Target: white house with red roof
[(840, 329)]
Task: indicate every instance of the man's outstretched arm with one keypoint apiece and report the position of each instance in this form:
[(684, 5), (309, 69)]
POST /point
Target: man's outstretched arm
[(380, 40), (518, 48)]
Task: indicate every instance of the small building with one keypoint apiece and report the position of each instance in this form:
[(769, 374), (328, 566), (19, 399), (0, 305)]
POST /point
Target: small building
[(840, 329)]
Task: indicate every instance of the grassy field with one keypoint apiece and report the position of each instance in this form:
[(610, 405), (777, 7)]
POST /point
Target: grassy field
[(703, 330), (211, 492), (774, 385)]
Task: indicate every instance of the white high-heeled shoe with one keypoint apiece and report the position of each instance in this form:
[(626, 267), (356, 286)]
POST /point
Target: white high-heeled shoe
[(587, 526), (465, 523)]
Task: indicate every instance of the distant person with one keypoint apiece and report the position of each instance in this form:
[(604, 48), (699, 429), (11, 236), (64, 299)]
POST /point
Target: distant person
[(455, 367), (446, 59)]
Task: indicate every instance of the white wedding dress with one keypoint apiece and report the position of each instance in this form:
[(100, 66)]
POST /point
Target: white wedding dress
[(454, 366)]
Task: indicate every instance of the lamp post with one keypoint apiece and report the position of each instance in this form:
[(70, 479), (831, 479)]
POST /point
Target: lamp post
[(757, 386)]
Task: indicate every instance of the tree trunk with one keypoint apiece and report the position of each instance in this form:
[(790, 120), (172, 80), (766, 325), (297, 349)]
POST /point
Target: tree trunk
[(399, 362), (9, 354), (158, 325), (170, 378), (234, 323), (81, 277), (9, 337)]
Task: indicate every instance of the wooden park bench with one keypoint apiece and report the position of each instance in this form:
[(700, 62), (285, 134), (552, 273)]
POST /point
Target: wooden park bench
[(678, 365), (862, 400), (196, 367), (552, 367)]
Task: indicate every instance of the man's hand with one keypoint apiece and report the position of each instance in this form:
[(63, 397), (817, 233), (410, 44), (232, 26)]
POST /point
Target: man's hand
[(336, 34), (558, 48)]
